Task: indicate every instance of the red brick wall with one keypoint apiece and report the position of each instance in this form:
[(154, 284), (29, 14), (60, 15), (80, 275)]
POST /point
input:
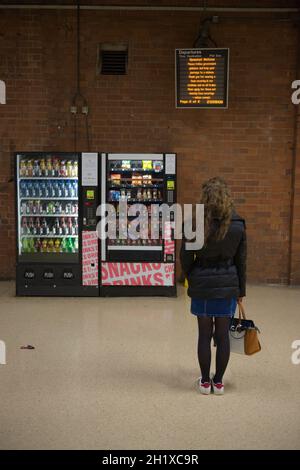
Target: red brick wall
[(250, 143), (295, 241)]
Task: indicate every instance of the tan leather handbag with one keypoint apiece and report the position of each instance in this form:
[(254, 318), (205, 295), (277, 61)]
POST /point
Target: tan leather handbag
[(243, 334)]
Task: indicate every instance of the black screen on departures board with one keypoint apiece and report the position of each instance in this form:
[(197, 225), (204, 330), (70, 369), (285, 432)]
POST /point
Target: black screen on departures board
[(202, 78)]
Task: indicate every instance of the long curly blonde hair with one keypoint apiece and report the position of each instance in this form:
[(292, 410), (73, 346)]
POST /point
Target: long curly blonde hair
[(218, 204)]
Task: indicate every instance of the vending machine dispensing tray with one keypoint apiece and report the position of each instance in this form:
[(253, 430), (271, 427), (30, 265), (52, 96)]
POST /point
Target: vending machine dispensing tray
[(40, 279)]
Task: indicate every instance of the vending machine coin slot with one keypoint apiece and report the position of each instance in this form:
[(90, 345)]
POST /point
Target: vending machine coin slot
[(170, 197)]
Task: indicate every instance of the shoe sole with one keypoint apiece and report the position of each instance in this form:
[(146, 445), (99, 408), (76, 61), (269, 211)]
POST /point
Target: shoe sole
[(218, 392), (204, 391)]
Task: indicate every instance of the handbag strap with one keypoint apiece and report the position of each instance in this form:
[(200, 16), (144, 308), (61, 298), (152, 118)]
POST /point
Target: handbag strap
[(242, 313)]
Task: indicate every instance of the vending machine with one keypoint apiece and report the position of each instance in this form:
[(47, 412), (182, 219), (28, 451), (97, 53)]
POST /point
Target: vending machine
[(57, 243), (143, 261), (62, 249)]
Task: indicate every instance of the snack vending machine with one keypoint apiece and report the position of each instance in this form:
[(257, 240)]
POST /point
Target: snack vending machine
[(139, 265), (57, 244)]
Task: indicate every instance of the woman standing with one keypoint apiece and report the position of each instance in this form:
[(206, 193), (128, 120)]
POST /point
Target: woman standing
[(217, 279)]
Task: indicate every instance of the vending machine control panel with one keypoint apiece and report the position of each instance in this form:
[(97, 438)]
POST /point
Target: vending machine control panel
[(170, 189), (89, 218)]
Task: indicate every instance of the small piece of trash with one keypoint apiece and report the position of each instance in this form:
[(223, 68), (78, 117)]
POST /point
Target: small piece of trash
[(27, 347)]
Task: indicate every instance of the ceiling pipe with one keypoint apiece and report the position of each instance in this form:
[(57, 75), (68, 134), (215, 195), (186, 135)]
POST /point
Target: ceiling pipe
[(153, 8)]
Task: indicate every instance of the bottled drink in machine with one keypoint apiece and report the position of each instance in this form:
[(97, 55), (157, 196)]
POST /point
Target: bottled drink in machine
[(48, 167)]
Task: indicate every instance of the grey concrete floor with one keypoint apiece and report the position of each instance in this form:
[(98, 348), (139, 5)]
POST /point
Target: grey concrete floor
[(120, 374)]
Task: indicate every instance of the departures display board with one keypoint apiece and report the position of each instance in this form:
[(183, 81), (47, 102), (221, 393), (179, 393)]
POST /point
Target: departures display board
[(202, 78)]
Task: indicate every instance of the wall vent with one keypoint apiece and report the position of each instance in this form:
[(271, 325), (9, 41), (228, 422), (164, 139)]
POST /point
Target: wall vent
[(112, 59)]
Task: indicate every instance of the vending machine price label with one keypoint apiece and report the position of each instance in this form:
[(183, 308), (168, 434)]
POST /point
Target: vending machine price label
[(202, 78)]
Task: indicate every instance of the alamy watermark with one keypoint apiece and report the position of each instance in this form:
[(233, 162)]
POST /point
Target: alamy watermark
[(295, 357), (296, 94), (144, 222), (2, 92), (2, 353)]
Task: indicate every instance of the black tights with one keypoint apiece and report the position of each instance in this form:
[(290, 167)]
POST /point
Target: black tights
[(221, 335)]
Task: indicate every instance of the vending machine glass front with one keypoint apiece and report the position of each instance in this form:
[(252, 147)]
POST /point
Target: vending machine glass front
[(138, 181), (47, 207)]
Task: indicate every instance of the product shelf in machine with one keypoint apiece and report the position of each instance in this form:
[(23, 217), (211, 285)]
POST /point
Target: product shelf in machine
[(138, 200), (49, 198), (132, 186), (49, 236), (61, 178), (73, 216), (137, 170)]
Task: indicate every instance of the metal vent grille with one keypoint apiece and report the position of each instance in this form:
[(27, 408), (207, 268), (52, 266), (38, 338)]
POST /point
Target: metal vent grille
[(113, 60)]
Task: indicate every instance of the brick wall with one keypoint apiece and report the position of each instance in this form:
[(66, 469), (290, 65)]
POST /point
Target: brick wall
[(249, 144), (295, 239)]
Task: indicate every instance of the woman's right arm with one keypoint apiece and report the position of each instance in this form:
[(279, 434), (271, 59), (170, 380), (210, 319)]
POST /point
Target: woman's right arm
[(240, 260)]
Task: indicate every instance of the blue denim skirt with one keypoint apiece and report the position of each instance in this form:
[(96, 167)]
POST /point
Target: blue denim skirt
[(214, 307)]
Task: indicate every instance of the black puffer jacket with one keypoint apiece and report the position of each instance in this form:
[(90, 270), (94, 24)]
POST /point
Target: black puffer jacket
[(218, 270)]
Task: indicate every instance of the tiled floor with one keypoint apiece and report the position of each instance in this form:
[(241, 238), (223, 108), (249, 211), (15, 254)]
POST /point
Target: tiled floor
[(120, 373)]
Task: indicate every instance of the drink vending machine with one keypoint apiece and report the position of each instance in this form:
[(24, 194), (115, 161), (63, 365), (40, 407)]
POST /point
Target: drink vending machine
[(59, 252), (56, 199)]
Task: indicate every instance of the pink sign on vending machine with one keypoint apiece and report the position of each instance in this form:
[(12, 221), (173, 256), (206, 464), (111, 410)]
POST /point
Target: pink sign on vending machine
[(137, 274), (169, 246), (89, 258)]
